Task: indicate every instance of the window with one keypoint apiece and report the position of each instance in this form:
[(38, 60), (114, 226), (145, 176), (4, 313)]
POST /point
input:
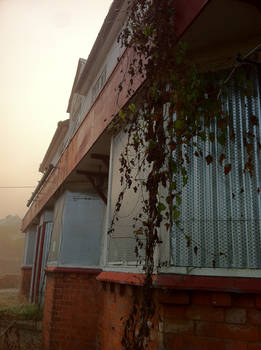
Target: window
[(30, 239), (78, 222)]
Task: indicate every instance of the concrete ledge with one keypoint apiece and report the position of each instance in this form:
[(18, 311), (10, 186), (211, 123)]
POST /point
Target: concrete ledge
[(72, 270), (26, 267), (186, 282)]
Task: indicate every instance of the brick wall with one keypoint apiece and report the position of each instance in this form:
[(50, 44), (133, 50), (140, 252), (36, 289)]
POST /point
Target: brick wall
[(26, 273), (205, 320), (71, 309), (116, 308), (187, 320), (81, 312)]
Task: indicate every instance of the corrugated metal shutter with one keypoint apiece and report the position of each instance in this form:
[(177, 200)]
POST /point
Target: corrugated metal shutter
[(222, 213)]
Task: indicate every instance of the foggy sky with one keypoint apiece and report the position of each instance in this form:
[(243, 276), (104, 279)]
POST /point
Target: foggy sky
[(41, 41)]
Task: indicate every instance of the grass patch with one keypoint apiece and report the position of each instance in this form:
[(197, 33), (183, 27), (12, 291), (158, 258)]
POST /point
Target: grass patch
[(24, 311)]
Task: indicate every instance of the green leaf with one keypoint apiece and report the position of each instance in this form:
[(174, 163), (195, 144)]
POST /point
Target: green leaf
[(222, 139), (122, 114), (151, 144), (173, 185), (178, 200), (203, 136), (132, 108), (178, 124), (176, 214), (174, 167), (161, 207)]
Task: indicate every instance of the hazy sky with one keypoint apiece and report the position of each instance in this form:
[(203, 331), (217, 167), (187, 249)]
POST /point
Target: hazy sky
[(40, 43)]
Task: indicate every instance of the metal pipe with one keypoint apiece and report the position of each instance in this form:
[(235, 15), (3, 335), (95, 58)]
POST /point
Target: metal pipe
[(40, 184)]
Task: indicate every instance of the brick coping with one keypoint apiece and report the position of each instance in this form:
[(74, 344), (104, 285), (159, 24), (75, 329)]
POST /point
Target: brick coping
[(76, 270), (186, 282)]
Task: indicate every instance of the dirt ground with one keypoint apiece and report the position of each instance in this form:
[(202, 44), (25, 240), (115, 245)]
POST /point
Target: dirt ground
[(17, 334), (8, 297)]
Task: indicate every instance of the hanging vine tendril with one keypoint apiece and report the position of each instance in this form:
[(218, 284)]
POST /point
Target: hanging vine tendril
[(170, 115)]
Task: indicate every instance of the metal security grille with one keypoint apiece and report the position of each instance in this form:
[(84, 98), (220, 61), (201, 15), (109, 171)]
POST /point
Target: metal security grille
[(122, 242), (221, 214)]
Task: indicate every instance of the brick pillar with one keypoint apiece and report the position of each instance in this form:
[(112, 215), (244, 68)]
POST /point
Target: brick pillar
[(117, 308), (71, 309), (26, 273)]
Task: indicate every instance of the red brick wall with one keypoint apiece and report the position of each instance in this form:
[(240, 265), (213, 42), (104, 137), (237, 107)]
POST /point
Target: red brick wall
[(206, 320), (71, 309), (83, 313), (116, 308), (188, 320), (26, 273)]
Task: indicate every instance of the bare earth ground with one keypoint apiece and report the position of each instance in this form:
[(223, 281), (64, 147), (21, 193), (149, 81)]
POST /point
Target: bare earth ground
[(8, 297), (17, 334)]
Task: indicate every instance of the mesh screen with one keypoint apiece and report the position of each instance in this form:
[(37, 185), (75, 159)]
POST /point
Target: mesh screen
[(122, 242), (221, 213)]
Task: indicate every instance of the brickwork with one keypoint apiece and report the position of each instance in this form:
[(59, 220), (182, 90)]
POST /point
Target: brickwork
[(205, 320), (81, 312), (71, 310), (117, 302), (186, 320), (26, 273)]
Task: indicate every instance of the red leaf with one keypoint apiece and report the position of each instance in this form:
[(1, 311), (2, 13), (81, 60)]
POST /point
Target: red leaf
[(221, 158), (188, 241), (227, 169), (254, 120), (196, 250), (232, 136), (209, 159)]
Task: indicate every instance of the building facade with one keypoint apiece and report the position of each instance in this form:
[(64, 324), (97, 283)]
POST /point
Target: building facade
[(87, 278)]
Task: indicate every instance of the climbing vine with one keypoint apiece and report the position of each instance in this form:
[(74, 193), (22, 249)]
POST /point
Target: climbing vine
[(168, 119)]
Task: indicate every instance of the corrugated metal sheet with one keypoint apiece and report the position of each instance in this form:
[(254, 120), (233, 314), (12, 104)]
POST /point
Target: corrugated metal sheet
[(222, 213)]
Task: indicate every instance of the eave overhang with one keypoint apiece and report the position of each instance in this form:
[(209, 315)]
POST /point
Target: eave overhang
[(58, 137), (105, 108), (80, 68)]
